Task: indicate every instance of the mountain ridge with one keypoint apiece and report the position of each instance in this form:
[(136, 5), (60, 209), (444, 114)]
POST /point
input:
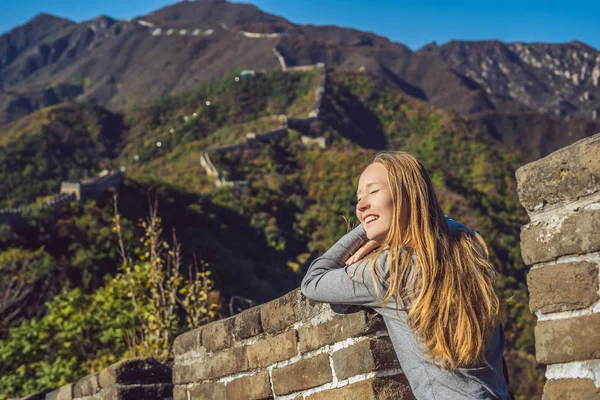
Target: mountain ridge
[(132, 63)]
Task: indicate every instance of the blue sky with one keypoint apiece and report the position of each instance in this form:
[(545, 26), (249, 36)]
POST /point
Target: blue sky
[(413, 23)]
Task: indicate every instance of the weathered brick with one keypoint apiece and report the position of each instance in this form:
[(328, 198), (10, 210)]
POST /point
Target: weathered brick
[(570, 339), (247, 323), (190, 373), (310, 308), (228, 362), (135, 370), (384, 388), (362, 390), (204, 391), (269, 351), (189, 341), (87, 386), (340, 327), (565, 175), (156, 391), (572, 233), (218, 335), (281, 313), (303, 374), (214, 365), (365, 356), (563, 287), (571, 389), (62, 393), (179, 393), (253, 387)]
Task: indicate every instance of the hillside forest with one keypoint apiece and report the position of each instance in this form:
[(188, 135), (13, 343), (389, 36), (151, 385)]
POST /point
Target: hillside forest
[(75, 313)]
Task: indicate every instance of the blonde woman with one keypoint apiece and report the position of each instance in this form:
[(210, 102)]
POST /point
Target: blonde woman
[(427, 275)]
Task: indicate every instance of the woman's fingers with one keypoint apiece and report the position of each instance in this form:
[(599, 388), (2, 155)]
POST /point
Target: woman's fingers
[(364, 250)]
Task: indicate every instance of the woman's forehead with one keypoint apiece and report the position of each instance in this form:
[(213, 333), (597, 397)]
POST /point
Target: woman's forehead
[(374, 173)]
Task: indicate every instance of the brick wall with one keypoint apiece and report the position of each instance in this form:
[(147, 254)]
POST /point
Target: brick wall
[(561, 193), (131, 379), (289, 348)]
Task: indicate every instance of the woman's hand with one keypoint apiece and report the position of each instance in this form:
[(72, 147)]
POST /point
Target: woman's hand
[(363, 251)]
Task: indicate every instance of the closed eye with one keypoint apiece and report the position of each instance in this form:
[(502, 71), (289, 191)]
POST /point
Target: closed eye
[(373, 192)]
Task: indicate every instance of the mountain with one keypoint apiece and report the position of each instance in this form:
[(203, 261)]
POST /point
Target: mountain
[(501, 87)]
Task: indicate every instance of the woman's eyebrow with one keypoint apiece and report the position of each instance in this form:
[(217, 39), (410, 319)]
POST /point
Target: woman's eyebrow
[(367, 185)]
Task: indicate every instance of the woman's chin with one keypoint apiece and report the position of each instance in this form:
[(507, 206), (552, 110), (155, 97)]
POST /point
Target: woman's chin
[(376, 236)]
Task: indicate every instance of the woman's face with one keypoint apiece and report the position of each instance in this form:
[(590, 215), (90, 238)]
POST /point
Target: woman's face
[(374, 207)]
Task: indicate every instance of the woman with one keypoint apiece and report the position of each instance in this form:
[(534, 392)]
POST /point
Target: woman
[(427, 275)]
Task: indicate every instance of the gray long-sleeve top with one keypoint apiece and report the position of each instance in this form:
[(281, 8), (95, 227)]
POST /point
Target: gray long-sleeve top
[(329, 280)]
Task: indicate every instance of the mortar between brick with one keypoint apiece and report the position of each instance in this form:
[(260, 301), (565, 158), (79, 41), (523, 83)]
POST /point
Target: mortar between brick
[(592, 309), (575, 370), (565, 207), (589, 257), (341, 383)]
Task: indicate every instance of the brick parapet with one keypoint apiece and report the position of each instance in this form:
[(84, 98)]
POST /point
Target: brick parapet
[(289, 348), (130, 379), (561, 194)]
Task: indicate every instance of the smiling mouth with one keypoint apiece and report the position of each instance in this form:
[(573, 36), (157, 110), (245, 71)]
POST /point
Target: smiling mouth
[(369, 220)]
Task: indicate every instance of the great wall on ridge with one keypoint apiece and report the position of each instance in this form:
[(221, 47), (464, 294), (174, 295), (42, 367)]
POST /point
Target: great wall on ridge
[(70, 190)]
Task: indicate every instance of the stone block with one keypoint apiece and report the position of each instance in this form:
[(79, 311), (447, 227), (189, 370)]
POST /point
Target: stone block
[(304, 374), (340, 327), (310, 308), (269, 351), (157, 391), (565, 175), (571, 233), (135, 370), (87, 386), (247, 323), (228, 362), (218, 335), (65, 392), (279, 314), (215, 365), (204, 391), (365, 356), (570, 339), (383, 388), (189, 372), (563, 287), (180, 393), (62, 393), (571, 389), (253, 387), (189, 341)]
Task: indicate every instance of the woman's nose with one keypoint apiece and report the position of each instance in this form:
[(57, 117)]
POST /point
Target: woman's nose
[(362, 205)]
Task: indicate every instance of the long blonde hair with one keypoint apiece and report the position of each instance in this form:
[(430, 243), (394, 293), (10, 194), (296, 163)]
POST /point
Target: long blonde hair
[(448, 288)]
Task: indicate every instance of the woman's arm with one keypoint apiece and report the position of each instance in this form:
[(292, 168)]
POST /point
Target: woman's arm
[(328, 280)]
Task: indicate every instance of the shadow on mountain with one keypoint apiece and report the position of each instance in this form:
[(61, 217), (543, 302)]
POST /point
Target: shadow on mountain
[(351, 119), (533, 134), (238, 255), (411, 90)]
